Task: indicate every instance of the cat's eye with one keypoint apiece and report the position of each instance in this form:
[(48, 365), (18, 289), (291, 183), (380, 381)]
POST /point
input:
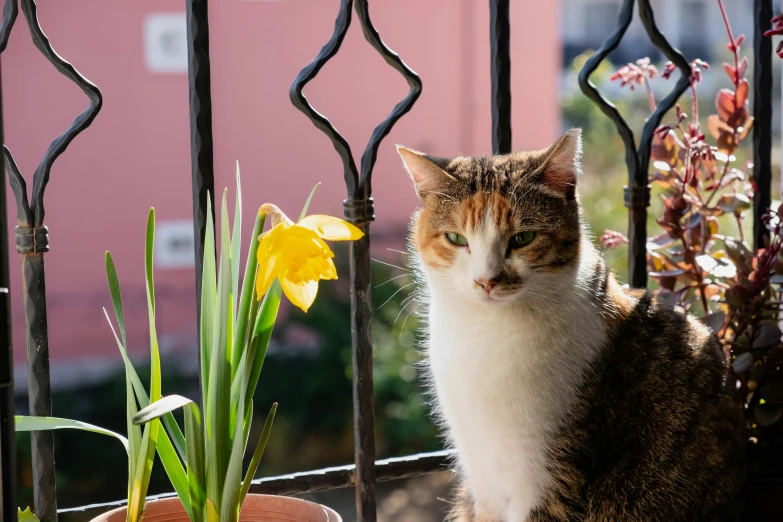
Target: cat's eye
[(521, 239), (457, 239)]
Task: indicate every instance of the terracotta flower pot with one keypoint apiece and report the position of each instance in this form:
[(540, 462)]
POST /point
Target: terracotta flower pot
[(257, 508)]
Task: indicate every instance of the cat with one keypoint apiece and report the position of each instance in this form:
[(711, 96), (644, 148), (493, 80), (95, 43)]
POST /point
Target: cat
[(565, 396)]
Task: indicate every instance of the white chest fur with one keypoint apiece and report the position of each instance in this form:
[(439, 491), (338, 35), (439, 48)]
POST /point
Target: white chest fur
[(505, 380)]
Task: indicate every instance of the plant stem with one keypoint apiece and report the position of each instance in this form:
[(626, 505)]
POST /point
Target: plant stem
[(728, 25), (732, 41), (650, 97)]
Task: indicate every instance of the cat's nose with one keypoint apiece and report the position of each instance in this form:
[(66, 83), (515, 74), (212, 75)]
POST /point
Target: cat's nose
[(486, 284)]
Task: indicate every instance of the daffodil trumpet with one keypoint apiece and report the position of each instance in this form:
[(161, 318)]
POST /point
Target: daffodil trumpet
[(297, 255)]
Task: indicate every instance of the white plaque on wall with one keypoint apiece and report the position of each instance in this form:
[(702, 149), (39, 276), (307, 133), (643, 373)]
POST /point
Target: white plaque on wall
[(166, 43), (174, 247)]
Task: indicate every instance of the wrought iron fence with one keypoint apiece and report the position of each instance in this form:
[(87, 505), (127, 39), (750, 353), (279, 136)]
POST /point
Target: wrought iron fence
[(32, 238)]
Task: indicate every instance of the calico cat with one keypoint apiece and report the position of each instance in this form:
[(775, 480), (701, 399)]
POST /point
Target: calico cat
[(565, 397)]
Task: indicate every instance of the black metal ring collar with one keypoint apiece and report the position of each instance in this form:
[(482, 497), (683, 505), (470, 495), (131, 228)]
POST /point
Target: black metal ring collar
[(32, 240)]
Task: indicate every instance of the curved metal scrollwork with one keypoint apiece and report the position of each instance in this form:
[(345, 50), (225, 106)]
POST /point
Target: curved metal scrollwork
[(32, 214), (358, 183), (637, 193), (32, 241), (359, 210), (10, 10)]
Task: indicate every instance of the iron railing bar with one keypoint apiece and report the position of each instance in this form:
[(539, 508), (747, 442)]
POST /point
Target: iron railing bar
[(8, 500), (363, 390), (201, 144), (402, 108), (762, 113), (32, 242), (8, 481), (306, 482), (299, 100), (637, 192), (500, 64), (82, 121), (358, 210)]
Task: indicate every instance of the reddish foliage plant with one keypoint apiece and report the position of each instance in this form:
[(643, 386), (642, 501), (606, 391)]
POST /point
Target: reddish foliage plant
[(734, 289)]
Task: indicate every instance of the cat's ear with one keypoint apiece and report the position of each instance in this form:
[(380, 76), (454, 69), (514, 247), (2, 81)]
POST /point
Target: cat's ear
[(562, 165), (426, 175)]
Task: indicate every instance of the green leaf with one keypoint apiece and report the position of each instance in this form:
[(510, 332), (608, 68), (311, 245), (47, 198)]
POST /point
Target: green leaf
[(134, 432), (219, 432), (150, 434), (28, 423), (168, 456), (768, 334), (734, 202), (142, 397), (26, 516), (116, 296), (248, 422), (161, 407), (257, 454), (247, 301), (722, 268), (262, 331), (194, 429), (239, 387), (715, 321), (174, 470), (212, 512), (208, 302), (307, 203), (229, 505), (236, 241)]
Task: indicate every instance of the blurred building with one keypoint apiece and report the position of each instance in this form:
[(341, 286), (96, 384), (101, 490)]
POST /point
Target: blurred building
[(136, 155)]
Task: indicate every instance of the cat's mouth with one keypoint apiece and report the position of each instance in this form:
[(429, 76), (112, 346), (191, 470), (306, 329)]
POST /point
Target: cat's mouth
[(500, 295)]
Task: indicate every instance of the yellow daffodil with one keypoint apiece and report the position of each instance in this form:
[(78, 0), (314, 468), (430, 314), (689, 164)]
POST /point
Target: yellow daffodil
[(296, 254)]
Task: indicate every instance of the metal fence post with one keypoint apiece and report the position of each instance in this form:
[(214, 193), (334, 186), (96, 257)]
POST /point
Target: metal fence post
[(359, 210), (637, 192), (500, 63), (8, 490), (201, 149), (8, 503), (762, 114), (32, 241)]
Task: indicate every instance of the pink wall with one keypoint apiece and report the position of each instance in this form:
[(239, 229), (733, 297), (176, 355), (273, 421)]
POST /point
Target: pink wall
[(136, 154)]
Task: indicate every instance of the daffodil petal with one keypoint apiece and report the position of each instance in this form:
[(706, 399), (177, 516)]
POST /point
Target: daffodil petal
[(331, 228), (300, 295), (331, 272), (266, 275), (268, 259), (276, 216)]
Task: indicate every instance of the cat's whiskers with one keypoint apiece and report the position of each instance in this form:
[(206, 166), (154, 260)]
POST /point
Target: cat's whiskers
[(392, 279), (405, 253), (391, 265), (445, 196), (402, 328), (400, 289)]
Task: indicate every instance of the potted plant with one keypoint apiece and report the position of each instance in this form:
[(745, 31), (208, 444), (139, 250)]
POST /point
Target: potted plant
[(236, 325), (140, 444), (702, 262), (204, 464)]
